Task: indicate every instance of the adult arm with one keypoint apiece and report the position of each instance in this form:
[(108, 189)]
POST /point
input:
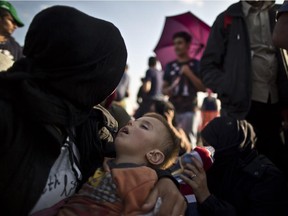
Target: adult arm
[(166, 88), (147, 86), (280, 34), (168, 84), (193, 78), (173, 202), (212, 60)]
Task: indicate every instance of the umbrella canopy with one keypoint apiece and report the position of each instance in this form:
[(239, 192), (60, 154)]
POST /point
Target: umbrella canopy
[(187, 22)]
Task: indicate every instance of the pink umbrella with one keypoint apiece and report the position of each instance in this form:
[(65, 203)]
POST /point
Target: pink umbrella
[(184, 22)]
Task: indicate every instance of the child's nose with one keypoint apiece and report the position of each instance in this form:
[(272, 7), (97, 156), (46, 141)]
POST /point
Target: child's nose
[(130, 123)]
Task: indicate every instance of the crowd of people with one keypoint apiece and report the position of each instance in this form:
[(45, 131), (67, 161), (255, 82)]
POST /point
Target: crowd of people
[(70, 148)]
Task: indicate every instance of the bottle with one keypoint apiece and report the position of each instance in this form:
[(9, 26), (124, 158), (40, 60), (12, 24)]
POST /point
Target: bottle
[(200, 153)]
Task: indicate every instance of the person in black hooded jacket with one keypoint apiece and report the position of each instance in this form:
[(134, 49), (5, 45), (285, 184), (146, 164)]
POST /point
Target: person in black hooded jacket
[(242, 66), (240, 182), (48, 128)]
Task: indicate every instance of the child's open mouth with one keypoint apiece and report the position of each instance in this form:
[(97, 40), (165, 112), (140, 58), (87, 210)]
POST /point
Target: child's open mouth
[(124, 130)]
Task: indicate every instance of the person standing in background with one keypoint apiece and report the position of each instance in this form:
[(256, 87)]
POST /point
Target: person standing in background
[(151, 88), (209, 109), (280, 39), (141, 94), (122, 90), (10, 50), (243, 67), (181, 84)]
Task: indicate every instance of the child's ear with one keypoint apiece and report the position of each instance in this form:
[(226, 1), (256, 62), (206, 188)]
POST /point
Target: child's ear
[(155, 157)]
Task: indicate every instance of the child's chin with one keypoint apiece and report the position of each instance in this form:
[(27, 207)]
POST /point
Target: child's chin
[(119, 141)]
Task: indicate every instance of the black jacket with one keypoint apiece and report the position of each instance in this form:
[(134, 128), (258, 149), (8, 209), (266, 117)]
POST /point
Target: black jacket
[(24, 168), (226, 63), (28, 151), (257, 189)]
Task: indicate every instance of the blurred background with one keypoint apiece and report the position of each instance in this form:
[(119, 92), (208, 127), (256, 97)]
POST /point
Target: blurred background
[(140, 22)]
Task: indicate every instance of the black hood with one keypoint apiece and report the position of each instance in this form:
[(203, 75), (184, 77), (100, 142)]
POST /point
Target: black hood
[(229, 137), (73, 62)]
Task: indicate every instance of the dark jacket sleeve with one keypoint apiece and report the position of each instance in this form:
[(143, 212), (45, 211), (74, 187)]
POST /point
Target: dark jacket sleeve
[(166, 174), (212, 61), (269, 195), (213, 206)]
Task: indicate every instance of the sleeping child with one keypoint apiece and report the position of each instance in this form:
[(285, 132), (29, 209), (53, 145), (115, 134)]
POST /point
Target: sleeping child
[(142, 146)]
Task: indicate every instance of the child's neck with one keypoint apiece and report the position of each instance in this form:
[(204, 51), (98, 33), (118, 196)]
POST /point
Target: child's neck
[(129, 159)]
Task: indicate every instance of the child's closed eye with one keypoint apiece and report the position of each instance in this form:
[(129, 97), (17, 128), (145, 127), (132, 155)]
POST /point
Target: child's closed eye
[(144, 126)]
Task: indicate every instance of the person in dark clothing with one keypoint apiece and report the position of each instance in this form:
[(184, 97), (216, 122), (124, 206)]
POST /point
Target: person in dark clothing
[(49, 131), (181, 84), (240, 182), (153, 79), (209, 109), (151, 88), (280, 33), (9, 21), (280, 39), (243, 67), (209, 102), (141, 94)]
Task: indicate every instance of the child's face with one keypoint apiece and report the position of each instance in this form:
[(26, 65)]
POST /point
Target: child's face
[(140, 136)]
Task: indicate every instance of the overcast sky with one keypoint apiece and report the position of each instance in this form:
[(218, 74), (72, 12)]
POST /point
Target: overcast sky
[(140, 23)]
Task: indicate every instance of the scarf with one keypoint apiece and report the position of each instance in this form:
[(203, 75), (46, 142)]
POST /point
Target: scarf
[(234, 143)]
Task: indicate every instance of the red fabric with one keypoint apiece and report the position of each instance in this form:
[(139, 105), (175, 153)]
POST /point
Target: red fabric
[(227, 21), (208, 116), (186, 189), (206, 157)]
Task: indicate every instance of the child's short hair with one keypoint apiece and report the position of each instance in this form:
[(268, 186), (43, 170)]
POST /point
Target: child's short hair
[(170, 148)]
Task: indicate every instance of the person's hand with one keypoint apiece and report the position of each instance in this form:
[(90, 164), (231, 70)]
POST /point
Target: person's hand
[(185, 69), (197, 180), (175, 82), (173, 202), (169, 115), (105, 164)]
